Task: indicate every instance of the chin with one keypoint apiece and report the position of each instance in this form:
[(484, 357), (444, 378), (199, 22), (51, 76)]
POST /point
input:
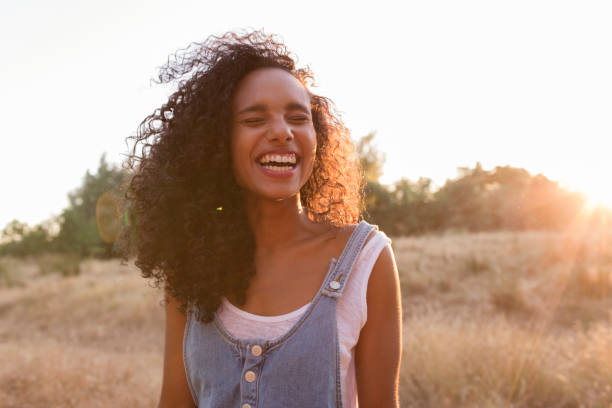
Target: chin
[(277, 194), (280, 196)]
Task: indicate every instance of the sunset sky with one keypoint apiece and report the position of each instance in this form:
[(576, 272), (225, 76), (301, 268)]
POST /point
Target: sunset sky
[(443, 83)]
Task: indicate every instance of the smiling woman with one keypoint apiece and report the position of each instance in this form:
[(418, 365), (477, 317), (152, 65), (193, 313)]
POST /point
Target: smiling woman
[(273, 138), (186, 170), (244, 207)]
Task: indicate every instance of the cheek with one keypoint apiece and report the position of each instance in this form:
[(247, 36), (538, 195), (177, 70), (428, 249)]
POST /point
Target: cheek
[(312, 153), (239, 159), (313, 144)]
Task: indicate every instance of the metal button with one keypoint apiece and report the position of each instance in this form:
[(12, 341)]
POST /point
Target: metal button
[(245, 405), (249, 376), (256, 350), (334, 285)]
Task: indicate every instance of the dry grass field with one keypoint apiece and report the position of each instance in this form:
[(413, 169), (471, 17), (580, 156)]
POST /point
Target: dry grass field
[(490, 320)]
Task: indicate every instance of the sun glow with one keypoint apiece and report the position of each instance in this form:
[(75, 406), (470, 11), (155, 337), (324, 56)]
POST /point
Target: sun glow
[(598, 196)]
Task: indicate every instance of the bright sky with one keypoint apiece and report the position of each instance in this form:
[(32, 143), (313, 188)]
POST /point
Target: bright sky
[(443, 83)]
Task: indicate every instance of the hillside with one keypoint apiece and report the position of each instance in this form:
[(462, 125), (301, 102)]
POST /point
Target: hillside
[(490, 319)]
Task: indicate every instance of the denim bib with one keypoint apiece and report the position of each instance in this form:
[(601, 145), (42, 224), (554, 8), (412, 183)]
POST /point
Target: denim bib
[(301, 368)]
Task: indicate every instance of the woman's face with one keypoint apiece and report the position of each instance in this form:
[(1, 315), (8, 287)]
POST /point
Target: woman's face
[(273, 138)]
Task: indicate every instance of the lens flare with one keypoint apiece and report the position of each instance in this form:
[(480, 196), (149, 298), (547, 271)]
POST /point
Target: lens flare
[(108, 217)]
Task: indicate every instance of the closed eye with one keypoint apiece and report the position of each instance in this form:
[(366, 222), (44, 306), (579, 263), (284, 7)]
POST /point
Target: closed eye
[(253, 121), (300, 118)]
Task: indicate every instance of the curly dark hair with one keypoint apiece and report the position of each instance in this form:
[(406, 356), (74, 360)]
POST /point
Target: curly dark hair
[(187, 218)]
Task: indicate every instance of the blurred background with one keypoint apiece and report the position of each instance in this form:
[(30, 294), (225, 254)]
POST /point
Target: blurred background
[(483, 129)]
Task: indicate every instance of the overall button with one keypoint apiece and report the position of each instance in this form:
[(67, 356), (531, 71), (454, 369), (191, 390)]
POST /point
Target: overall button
[(249, 376), (334, 285), (256, 350), (245, 405)]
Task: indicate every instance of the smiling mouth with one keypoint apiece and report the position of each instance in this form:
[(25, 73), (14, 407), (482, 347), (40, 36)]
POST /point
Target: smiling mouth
[(278, 162), (278, 166)]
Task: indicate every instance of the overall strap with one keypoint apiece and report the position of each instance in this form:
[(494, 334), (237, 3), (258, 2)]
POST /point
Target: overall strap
[(337, 279)]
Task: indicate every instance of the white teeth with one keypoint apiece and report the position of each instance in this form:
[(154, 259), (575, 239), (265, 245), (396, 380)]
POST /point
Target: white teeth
[(277, 158), (277, 168)]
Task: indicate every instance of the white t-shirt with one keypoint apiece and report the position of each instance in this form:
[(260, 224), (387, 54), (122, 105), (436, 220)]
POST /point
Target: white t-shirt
[(351, 316)]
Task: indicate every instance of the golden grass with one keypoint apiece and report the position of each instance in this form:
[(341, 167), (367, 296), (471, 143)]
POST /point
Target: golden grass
[(61, 374), (91, 340), (490, 320), (507, 320), (451, 362)]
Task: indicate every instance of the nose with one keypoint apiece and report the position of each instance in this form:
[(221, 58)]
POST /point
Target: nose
[(280, 131)]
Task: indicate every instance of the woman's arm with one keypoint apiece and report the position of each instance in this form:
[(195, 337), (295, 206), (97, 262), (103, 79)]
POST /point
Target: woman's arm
[(175, 391), (379, 347)]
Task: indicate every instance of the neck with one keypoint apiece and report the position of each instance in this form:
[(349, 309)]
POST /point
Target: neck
[(276, 224)]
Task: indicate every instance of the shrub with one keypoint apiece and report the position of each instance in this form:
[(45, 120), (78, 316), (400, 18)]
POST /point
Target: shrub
[(508, 297), (63, 264), (590, 281), (8, 275), (475, 265)]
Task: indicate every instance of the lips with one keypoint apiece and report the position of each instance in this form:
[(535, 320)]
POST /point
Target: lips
[(279, 164), (279, 172)]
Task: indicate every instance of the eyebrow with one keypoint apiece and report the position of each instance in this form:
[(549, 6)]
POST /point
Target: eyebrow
[(297, 106), (261, 108)]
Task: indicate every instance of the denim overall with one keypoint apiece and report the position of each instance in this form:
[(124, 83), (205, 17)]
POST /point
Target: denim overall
[(301, 368)]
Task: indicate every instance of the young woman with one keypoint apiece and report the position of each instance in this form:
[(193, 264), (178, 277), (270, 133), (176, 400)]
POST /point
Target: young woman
[(244, 203)]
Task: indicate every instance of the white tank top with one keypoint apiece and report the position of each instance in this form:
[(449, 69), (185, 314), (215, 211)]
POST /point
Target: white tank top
[(351, 316)]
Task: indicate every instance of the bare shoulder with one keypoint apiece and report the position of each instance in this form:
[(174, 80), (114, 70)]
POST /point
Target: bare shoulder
[(175, 390), (384, 278), (382, 331)]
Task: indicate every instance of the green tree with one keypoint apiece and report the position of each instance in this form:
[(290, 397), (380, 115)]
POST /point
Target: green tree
[(378, 198), (400, 209), (506, 198), (412, 203), (371, 159), (14, 231), (19, 239), (84, 222)]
